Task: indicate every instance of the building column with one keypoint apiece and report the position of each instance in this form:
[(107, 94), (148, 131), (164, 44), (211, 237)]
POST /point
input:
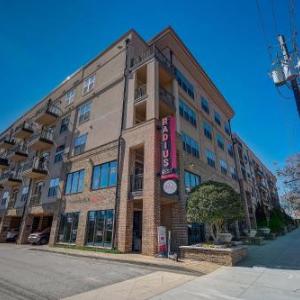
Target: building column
[(129, 109), (25, 229), (81, 230), (152, 110), (151, 193), (125, 210)]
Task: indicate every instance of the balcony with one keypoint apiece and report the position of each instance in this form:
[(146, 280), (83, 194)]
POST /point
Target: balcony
[(35, 200), (140, 93), (23, 131), (36, 169), (18, 153), (48, 115), (136, 185), (11, 179), (153, 52), (3, 163), (6, 143), (167, 97), (41, 141)]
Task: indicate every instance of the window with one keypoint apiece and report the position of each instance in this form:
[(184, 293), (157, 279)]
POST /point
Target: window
[(89, 84), (79, 144), (220, 141), (187, 113), (217, 118), (53, 187), (68, 228), (230, 149), (104, 175), (84, 112), (207, 130), (5, 199), (190, 145), (191, 180), (227, 128), (69, 97), (204, 105), (64, 126), (15, 196), (59, 153), (75, 182), (100, 228), (24, 193), (223, 166), (233, 173), (185, 84), (211, 158)]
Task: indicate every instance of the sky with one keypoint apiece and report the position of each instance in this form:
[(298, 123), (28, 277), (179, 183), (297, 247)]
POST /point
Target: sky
[(42, 42)]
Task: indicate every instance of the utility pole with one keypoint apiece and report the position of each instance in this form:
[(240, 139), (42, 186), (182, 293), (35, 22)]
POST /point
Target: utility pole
[(286, 62)]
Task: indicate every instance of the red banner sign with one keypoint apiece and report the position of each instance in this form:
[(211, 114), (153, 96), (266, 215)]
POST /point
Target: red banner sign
[(168, 148)]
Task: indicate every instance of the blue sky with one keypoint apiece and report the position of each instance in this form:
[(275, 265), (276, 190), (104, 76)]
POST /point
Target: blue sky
[(42, 42)]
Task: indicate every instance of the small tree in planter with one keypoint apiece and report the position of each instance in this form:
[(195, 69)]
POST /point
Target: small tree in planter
[(215, 204)]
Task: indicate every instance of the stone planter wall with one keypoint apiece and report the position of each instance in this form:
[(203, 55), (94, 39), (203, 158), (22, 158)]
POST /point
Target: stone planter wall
[(225, 256)]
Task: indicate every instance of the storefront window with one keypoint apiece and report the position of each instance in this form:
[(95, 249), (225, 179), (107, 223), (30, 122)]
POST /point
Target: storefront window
[(68, 228), (100, 228)]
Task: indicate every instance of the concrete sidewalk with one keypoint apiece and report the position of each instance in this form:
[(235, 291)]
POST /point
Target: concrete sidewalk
[(196, 267)]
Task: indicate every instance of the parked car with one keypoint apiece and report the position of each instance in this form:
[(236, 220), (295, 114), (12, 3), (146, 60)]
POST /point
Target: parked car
[(40, 237), (12, 235)]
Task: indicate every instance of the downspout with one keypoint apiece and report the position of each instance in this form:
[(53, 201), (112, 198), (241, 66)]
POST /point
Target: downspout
[(119, 166)]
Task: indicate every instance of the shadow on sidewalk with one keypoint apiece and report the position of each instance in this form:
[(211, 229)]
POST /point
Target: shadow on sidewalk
[(282, 253)]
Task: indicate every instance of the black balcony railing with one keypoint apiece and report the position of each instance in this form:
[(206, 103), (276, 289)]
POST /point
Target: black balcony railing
[(7, 140), (19, 149), (50, 108), (14, 175), (24, 126), (35, 200), (3, 161), (167, 97), (153, 51), (137, 183), (36, 164), (45, 134), (140, 92)]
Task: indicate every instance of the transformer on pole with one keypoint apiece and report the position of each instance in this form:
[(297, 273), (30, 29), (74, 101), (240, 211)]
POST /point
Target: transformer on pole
[(286, 70)]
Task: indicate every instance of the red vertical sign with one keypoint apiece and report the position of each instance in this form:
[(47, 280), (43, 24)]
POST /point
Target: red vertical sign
[(168, 148)]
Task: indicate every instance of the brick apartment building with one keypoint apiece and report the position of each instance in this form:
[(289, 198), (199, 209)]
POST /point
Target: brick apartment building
[(257, 183), (111, 153)]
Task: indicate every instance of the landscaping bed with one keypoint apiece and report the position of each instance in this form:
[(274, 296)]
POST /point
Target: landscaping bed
[(226, 256)]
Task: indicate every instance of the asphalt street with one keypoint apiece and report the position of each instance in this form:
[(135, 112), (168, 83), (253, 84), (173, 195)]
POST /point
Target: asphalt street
[(27, 274)]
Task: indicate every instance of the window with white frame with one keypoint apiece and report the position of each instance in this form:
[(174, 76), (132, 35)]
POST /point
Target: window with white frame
[(211, 158), (5, 199), (84, 112), (53, 187), (59, 153), (79, 144), (190, 145), (69, 97), (233, 173), (220, 141), (24, 193), (207, 129), (89, 83), (223, 166)]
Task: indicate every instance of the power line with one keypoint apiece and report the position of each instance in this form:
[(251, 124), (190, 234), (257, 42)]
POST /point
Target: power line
[(262, 25), (274, 17)]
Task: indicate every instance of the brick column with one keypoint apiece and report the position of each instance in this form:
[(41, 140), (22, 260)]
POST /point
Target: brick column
[(151, 193), (80, 239), (25, 229), (125, 212), (130, 101)]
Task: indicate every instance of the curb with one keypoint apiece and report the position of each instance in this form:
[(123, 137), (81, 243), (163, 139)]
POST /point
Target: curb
[(127, 261)]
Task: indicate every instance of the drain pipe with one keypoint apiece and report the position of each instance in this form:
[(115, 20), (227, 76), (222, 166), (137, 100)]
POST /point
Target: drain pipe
[(117, 198)]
